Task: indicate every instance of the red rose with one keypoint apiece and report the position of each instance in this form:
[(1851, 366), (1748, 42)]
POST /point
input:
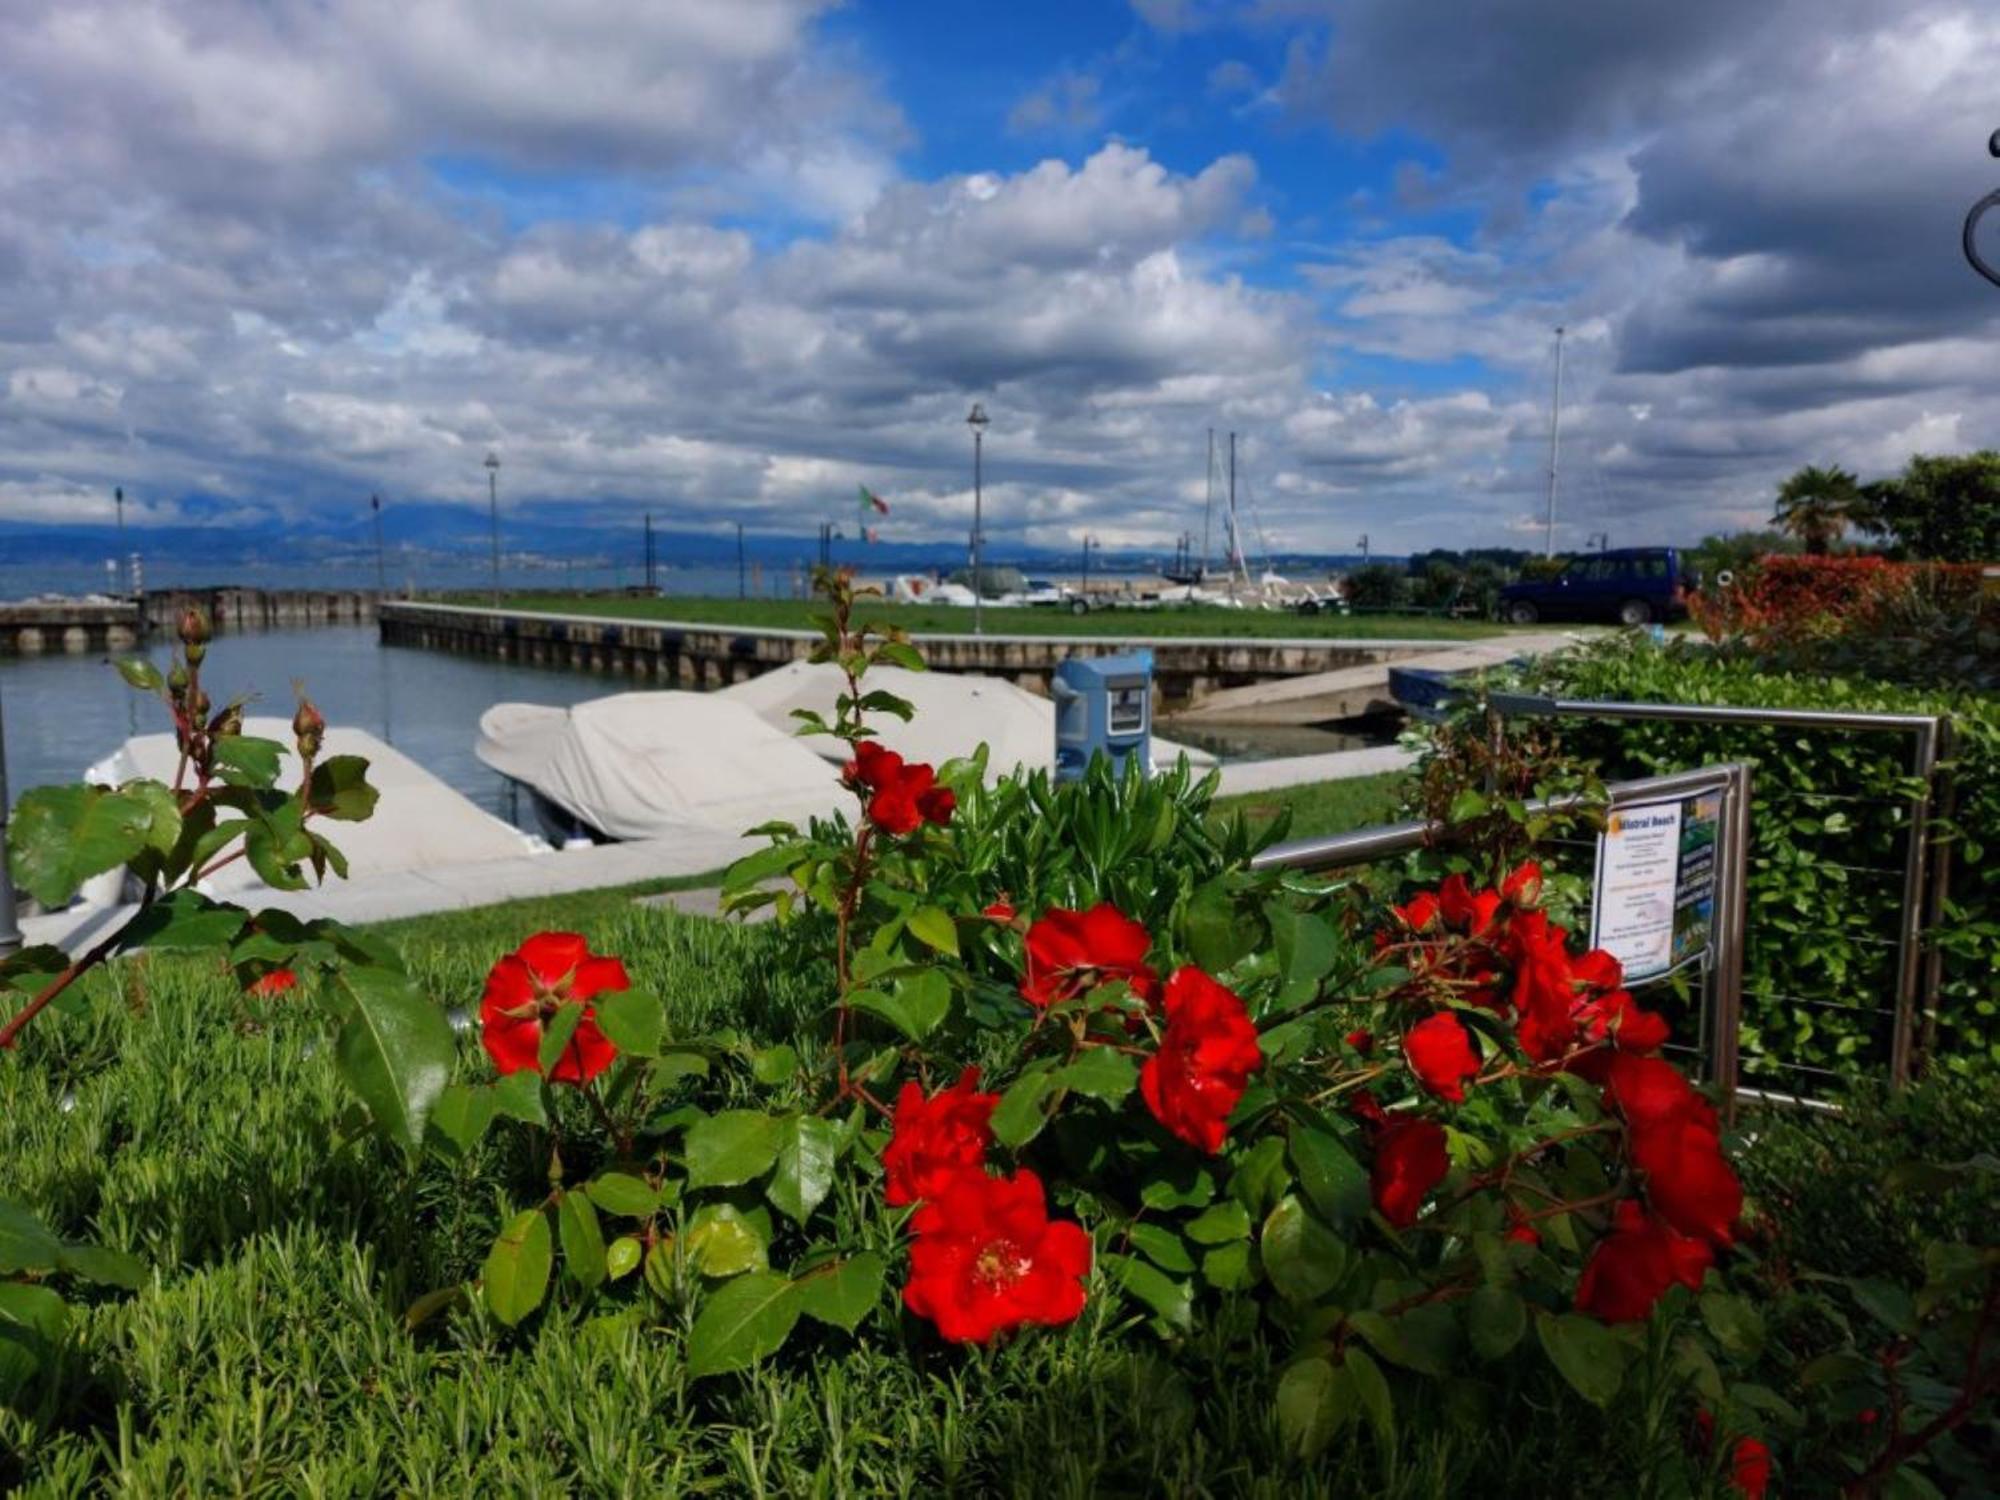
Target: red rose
[(901, 795), (1070, 950), (1001, 911), (1420, 913), (274, 983), (1410, 1160), (1523, 885), (1464, 910), (524, 989), (1689, 1182), (873, 767), (1206, 1056), (987, 1258), (1649, 1091), (937, 804), (1615, 1017), (1750, 1468), (1362, 1041), (1544, 992), (938, 1139), (1440, 1053), (1519, 1230), (1631, 1268)]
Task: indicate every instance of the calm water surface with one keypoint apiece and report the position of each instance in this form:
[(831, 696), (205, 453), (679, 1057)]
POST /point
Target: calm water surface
[(65, 712)]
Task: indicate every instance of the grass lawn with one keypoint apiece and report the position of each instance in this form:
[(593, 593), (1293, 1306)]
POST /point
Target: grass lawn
[(1323, 807), (268, 1355), (796, 614)]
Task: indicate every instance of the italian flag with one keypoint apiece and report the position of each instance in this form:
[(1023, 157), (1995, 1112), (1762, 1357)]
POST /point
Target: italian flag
[(872, 504)]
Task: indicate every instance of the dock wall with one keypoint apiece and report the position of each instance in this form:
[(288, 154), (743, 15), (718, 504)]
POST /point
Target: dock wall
[(699, 656)]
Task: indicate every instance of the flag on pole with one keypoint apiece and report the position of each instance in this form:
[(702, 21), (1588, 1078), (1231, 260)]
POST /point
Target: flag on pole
[(872, 504)]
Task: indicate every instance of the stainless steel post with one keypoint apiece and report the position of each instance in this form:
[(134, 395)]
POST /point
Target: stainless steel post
[(1910, 930)]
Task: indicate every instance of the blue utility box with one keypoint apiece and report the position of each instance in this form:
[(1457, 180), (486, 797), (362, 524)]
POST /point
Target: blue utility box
[(1104, 706)]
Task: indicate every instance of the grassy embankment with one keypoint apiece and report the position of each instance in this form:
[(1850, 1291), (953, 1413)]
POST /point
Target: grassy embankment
[(797, 614)]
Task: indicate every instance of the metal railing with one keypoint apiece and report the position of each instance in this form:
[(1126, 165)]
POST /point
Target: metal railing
[(1721, 962), (1926, 871)]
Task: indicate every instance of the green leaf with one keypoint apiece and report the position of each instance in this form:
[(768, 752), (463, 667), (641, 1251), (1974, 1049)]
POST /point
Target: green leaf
[(1586, 1352), (1314, 1402), (773, 1065), (519, 1096), (633, 1021), (582, 1240), (1306, 945), (461, 1116), (623, 1194), (339, 789), (1302, 1256), (1215, 934), (723, 1242), (1168, 1188), (900, 654), (915, 1006), (164, 829), (1466, 806), (933, 926), (1736, 1324), (843, 1293), (1220, 1223), (731, 1148), (1171, 1300), (1227, 1267), (516, 1277), (557, 1031), (1018, 1117), (60, 836), (807, 1146), (1101, 1073), (1495, 1319), (621, 1259), (1162, 1247), (185, 922), (1333, 1180), (106, 1267), (742, 1323), (1371, 1388), (140, 674), (248, 761), (26, 1244), (394, 1050), (1261, 1179), (754, 869)]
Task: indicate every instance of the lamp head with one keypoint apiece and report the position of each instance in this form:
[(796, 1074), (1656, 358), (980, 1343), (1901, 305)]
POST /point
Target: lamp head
[(978, 419)]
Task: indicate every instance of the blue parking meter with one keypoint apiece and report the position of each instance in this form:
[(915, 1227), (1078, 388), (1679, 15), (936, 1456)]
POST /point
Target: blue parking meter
[(1104, 706)]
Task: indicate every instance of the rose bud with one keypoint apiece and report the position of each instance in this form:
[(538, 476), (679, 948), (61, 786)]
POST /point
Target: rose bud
[(309, 727), (177, 681), (195, 634), (227, 723)]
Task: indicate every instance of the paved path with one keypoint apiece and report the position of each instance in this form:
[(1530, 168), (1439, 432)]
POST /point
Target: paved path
[(1303, 770)]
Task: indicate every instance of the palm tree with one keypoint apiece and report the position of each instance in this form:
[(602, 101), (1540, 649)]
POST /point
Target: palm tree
[(1816, 505)]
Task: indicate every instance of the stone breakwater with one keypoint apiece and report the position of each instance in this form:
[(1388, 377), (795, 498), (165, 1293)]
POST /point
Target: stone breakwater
[(84, 626)]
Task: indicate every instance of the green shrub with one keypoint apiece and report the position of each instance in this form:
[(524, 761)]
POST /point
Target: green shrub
[(1828, 831)]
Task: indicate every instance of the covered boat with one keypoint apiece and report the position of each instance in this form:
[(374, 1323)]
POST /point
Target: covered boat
[(653, 765)]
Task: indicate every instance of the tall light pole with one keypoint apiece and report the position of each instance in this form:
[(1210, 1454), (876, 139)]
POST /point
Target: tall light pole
[(381, 567), (493, 514), (10, 928), (1555, 450), (118, 494), (977, 420), (742, 588)]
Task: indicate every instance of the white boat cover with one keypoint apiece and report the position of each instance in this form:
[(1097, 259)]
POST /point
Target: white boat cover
[(420, 823), (650, 765), (956, 711)]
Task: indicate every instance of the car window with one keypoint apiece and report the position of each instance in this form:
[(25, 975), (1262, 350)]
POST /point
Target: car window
[(1652, 567)]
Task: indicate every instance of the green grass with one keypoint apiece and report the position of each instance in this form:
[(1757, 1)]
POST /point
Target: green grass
[(1324, 807), (267, 1356), (794, 614)]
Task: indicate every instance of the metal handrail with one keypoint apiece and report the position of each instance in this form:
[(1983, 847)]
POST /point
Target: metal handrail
[(1730, 779)]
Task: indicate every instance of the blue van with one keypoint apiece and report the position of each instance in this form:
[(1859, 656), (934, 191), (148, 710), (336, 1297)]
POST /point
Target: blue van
[(1632, 586)]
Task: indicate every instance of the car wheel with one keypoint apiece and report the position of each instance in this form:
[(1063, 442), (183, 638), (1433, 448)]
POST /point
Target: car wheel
[(1522, 613), (1079, 606), (1634, 612), (1309, 607)]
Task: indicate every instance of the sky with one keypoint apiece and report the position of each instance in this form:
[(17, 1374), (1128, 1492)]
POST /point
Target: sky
[(730, 259)]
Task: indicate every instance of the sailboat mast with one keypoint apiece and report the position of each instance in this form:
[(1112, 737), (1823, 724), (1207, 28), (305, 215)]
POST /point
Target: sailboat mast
[(1555, 450), (1208, 501), (1235, 531)]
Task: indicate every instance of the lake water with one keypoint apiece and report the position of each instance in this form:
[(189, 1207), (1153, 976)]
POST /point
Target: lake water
[(63, 713)]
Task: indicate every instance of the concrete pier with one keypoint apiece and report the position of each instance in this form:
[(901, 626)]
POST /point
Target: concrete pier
[(73, 626), (232, 608), (691, 655)]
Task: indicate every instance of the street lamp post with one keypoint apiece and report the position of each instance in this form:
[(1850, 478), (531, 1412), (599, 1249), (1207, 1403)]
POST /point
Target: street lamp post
[(977, 420), (381, 567), (493, 515), (118, 494), (10, 927)]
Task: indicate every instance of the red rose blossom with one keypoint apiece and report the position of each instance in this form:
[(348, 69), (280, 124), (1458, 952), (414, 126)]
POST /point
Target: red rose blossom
[(1689, 1182), (1439, 1052), (1464, 909), (1410, 1160), (1631, 1268), (901, 795), (987, 1258), (274, 983), (1420, 913), (1523, 885), (938, 1139), (1361, 1040), (998, 911), (1750, 1468), (1206, 1056), (1070, 950), (524, 989)]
